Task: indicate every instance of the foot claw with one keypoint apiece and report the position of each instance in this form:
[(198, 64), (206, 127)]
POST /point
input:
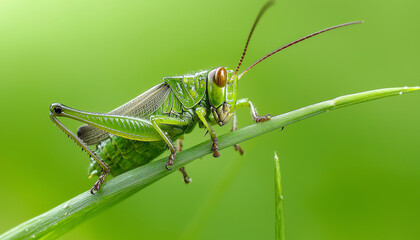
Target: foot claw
[(185, 175), (263, 119), (239, 149), (95, 188), (216, 153), (170, 162), (167, 164), (215, 148), (187, 180), (99, 183)]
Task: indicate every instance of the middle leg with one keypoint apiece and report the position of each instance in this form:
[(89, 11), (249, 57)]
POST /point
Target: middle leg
[(157, 120), (187, 179)]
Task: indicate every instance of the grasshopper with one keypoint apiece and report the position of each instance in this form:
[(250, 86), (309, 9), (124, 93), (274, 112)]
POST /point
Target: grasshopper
[(141, 129)]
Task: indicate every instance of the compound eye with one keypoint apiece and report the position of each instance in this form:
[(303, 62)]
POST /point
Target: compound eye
[(220, 77), (58, 110)]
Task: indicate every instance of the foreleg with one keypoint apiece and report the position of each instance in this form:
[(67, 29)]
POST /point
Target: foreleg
[(255, 116), (201, 113)]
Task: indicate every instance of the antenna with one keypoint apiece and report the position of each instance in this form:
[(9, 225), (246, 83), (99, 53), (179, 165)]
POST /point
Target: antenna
[(265, 7), (291, 44)]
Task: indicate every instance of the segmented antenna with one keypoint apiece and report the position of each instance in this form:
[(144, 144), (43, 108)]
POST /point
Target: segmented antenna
[(266, 6), (293, 43)]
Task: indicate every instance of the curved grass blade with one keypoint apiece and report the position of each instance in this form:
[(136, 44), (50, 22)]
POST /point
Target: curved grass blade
[(64, 217)]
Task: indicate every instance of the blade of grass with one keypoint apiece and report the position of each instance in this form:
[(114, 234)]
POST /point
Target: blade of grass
[(278, 195), (64, 217)]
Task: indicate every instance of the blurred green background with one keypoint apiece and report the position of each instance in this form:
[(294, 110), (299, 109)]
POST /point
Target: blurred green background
[(349, 174)]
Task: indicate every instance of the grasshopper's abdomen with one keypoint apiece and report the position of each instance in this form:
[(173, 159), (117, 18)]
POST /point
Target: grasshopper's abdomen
[(123, 154)]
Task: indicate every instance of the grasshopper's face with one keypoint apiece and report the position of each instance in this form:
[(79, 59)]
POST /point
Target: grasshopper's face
[(221, 90)]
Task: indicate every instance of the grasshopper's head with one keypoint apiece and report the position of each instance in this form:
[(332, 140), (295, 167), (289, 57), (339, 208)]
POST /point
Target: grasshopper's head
[(221, 89)]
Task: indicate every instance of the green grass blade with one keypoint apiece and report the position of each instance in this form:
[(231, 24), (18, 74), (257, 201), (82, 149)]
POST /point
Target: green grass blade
[(278, 195), (64, 217)]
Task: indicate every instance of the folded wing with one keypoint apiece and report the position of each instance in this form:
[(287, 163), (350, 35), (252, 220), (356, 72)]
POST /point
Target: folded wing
[(141, 106)]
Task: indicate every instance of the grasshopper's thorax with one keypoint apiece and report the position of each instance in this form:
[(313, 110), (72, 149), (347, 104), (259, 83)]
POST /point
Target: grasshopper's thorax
[(221, 90), (189, 89)]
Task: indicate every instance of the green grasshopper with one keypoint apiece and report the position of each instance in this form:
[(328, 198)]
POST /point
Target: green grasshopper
[(141, 129)]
